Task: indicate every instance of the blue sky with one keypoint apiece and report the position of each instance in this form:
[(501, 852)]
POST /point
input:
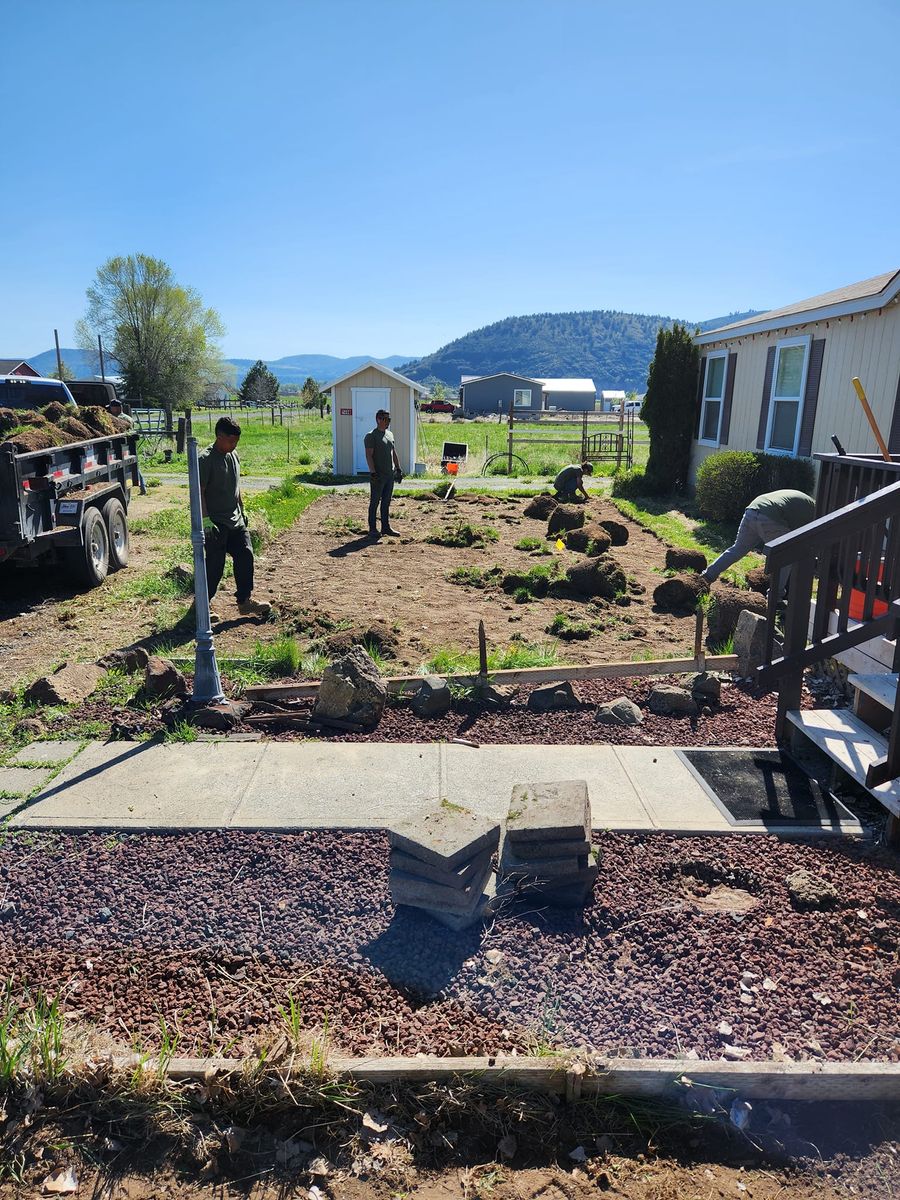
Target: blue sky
[(381, 176)]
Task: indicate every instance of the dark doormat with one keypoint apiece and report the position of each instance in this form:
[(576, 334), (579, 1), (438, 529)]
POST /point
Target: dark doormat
[(767, 787)]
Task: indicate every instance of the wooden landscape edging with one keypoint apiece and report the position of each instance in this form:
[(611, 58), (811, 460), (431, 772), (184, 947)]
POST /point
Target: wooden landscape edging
[(646, 1077), (398, 685)]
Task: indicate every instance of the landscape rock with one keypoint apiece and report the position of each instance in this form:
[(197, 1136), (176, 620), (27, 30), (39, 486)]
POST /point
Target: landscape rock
[(565, 516), (433, 699), (553, 696), (617, 531), (758, 580), (163, 679), (666, 699), (598, 577), (352, 690), (496, 696), (705, 688), (592, 538), (29, 727), (224, 715), (69, 684), (810, 891), (129, 660), (620, 711), (680, 593), (678, 559), (541, 507), (728, 604)]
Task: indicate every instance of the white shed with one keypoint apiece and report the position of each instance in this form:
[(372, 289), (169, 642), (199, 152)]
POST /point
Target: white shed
[(355, 398)]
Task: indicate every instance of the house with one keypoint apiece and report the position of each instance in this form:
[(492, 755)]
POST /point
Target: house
[(355, 398), (481, 394), (781, 381), (18, 366), (611, 401)]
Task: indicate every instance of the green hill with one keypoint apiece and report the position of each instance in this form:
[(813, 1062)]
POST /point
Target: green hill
[(612, 348)]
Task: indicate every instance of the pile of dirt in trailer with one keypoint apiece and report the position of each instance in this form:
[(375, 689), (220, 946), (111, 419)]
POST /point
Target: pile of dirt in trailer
[(56, 425)]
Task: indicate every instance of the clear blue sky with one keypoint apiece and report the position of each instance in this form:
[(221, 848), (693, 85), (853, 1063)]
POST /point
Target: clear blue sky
[(381, 176)]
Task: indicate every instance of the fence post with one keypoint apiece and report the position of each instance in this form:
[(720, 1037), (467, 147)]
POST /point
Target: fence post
[(509, 444)]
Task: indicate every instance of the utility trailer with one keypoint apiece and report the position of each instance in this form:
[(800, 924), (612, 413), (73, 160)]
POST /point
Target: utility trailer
[(69, 504)]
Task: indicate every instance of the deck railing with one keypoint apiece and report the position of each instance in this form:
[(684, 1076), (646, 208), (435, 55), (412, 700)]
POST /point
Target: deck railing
[(844, 478)]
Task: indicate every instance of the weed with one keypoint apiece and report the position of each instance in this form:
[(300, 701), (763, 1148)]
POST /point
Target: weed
[(726, 647), (318, 1053), (278, 658), (183, 731), (514, 657), (168, 1044), (530, 543), (293, 1019), (463, 534), (342, 525), (282, 505), (567, 630), (451, 807)]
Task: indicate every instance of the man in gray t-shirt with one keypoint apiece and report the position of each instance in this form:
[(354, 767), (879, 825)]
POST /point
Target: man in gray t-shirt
[(384, 471), (570, 481)]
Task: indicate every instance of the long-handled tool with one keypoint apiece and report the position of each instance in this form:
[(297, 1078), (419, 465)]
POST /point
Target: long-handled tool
[(870, 417)]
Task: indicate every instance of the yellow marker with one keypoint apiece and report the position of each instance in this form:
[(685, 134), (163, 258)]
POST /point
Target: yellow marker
[(560, 544)]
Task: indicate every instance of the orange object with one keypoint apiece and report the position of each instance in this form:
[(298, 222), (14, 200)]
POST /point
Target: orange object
[(452, 468)]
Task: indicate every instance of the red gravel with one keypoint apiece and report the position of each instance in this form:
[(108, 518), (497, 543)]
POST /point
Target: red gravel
[(213, 930)]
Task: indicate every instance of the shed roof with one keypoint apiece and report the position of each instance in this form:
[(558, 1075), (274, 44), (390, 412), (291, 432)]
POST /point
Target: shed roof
[(569, 385), (497, 375), (9, 366), (860, 297), (608, 394), (379, 367)]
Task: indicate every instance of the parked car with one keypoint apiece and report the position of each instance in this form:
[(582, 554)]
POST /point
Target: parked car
[(438, 406)]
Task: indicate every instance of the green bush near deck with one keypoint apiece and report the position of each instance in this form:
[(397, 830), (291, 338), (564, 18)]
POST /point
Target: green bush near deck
[(727, 482)]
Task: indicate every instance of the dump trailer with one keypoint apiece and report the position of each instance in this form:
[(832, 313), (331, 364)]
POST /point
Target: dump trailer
[(69, 503)]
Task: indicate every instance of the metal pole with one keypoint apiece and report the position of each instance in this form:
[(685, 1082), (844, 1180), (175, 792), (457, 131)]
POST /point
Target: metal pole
[(100, 348), (58, 355), (207, 685)]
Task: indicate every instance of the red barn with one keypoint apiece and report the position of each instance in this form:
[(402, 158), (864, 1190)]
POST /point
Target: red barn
[(17, 366)]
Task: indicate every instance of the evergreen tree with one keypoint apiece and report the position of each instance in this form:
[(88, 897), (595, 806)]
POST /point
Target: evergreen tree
[(310, 393), (670, 409), (260, 386)]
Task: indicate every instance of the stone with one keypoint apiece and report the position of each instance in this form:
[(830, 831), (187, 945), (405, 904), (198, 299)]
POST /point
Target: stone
[(417, 892), (620, 711), (224, 715), (551, 697), (541, 507), (459, 921), (574, 848), (705, 688), (129, 660), (750, 642), (460, 877), (728, 604), (598, 577), (666, 699), (618, 532), (433, 699), (810, 891), (678, 559), (680, 593), (352, 690), (162, 679), (538, 870), (495, 695), (590, 538), (565, 516), (69, 684), (549, 812), (447, 836)]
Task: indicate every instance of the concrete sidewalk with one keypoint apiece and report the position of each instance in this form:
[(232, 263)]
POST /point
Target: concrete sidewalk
[(308, 785)]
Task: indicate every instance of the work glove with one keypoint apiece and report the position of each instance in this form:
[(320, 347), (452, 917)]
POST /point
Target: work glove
[(398, 475)]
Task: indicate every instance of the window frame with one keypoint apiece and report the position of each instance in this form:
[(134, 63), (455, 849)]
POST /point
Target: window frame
[(522, 392), (720, 400), (804, 340)]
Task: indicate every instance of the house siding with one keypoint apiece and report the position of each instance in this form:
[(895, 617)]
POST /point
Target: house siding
[(571, 401), (400, 407), (864, 345), (494, 394)]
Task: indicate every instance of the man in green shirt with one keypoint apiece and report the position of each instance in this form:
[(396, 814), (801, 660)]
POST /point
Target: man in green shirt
[(769, 516), (224, 520), (384, 471)]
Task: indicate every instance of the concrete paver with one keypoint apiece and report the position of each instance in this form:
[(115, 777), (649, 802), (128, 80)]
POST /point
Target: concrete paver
[(21, 781), (45, 752)]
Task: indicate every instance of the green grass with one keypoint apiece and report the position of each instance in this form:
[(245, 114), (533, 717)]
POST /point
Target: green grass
[(282, 505), (477, 577), (462, 534), (534, 545), (534, 582), (517, 656)]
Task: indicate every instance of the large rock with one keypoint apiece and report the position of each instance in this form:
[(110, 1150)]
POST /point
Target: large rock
[(565, 516), (728, 604), (162, 679), (750, 642), (541, 507), (678, 559), (129, 660), (222, 716), (433, 699), (680, 593), (810, 891), (591, 538), (553, 696), (620, 711), (352, 690), (598, 577), (668, 700), (617, 532), (706, 688), (69, 684)]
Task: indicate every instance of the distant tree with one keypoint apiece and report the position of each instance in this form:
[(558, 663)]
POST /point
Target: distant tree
[(312, 396), (670, 409), (438, 391), (260, 387), (63, 372), (159, 331)]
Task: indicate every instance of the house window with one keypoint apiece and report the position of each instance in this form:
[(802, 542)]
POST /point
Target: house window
[(522, 398), (713, 396), (788, 384)]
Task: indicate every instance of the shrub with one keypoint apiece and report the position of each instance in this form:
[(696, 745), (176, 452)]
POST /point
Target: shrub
[(728, 481), (629, 485)]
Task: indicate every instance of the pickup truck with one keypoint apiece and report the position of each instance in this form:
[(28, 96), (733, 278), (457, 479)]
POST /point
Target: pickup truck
[(68, 503), (437, 406)]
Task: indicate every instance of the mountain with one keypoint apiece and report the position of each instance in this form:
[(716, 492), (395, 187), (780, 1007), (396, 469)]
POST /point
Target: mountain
[(612, 348), (80, 363)]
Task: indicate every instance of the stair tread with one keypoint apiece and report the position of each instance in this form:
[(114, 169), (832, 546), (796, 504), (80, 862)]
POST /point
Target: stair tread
[(881, 686), (851, 743)]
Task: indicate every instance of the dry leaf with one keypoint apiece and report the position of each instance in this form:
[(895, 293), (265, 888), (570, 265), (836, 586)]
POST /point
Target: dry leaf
[(62, 1181)]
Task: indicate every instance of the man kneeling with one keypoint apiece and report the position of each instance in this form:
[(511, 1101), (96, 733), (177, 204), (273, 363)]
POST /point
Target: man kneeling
[(570, 481)]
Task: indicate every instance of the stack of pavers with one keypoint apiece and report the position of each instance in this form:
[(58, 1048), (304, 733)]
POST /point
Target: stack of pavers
[(442, 863), (547, 843)]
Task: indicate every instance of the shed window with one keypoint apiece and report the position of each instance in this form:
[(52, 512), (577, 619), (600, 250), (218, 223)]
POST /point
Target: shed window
[(522, 398), (788, 382), (713, 395)]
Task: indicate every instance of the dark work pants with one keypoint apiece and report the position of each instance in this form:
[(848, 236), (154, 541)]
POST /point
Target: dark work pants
[(236, 542), (381, 488)]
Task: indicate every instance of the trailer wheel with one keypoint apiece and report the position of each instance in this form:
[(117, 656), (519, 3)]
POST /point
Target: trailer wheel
[(116, 523), (90, 563)]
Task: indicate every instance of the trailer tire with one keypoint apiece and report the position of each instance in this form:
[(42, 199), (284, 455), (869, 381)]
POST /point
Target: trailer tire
[(89, 563), (116, 522)]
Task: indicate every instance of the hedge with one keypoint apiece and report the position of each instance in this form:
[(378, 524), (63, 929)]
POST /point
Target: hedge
[(728, 481)]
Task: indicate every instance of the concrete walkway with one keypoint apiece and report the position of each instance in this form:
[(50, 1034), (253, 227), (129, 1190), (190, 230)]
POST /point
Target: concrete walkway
[(308, 785)]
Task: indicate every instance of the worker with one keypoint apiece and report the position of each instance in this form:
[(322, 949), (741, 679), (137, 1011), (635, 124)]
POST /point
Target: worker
[(384, 472), (114, 408), (224, 519), (570, 481), (769, 516)]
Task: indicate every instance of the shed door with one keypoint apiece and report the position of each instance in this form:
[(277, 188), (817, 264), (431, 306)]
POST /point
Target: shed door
[(366, 403)]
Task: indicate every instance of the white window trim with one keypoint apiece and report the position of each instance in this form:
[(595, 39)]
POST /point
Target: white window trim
[(805, 341), (522, 392), (719, 399)]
